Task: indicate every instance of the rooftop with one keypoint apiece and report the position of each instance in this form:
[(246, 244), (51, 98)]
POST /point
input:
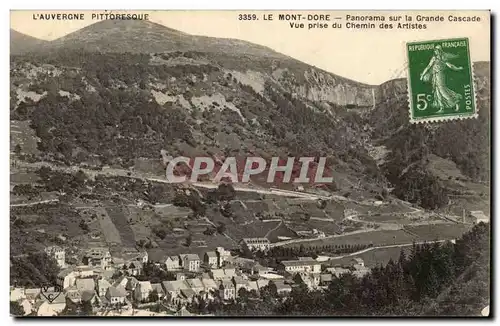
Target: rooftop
[(302, 262)]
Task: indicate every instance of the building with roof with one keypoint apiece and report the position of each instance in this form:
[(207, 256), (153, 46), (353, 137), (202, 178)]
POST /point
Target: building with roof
[(44, 307), (358, 261), (17, 294), (116, 295), (190, 262), (73, 294), (196, 285), (102, 287), (282, 288), (479, 216), (222, 256), (297, 266), (58, 254), (311, 280), (172, 263), (186, 296), (262, 283), (98, 257), (133, 268), (173, 289), (360, 270), (239, 283), (159, 290), (122, 280), (131, 283), (253, 286), (142, 291), (210, 259), (85, 284), (227, 290), (325, 279), (337, 271), (209, 285), (249, 245)]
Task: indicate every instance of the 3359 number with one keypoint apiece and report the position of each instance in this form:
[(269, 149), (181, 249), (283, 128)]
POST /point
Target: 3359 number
[(247, 17)]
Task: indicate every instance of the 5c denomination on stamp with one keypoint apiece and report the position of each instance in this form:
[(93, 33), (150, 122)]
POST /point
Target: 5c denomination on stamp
[(440, 80)]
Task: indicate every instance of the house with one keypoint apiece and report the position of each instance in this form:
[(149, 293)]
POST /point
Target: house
[(222, 256), (262, 283), (187, 295), (131, 283), (358, 261), (282, 288), (479, 216), (44, 307), (102, 287), (249, 245), (116, 295), (360, 270), (227, 291), (98, 257), (209, 285), (302, 265), (133, 268), (27, 306), (325, 279), (142, 291), (159, 290), (229, 271), (239, 283), (218, 274), (73, 294), (253, 286), (85, 284), (180, 277), (84, 271), (337, 271), (58, 254), (17, 294), (173, 289), (143, 257), (190, 262), (196, 285), (122, 280), (311, 280), (210, 259)]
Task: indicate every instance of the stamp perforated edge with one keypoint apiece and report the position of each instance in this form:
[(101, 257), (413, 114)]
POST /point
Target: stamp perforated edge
[(445, 118)]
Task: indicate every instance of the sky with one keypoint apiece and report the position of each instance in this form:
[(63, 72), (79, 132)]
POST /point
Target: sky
[(371, 56)]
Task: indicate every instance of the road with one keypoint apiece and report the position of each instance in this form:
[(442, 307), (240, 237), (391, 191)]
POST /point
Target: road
[(35, 203), (134, 174)]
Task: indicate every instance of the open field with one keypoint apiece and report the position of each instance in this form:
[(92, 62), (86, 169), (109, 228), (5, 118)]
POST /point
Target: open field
[(21, 134), (439, 231), (374, 257), (375, 238)]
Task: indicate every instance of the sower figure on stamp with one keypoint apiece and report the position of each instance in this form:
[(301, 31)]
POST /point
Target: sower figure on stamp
[(435, 72)]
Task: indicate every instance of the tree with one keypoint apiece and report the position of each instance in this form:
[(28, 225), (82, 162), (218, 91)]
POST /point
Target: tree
[(16, 309), (153, 296), (221, 228), (189, 240), (17, 149)]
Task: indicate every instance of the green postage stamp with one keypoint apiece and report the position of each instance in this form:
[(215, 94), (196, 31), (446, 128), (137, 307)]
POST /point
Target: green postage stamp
[(440, 80)]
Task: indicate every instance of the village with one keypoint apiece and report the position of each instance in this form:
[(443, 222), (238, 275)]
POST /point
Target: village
[(112, 286)]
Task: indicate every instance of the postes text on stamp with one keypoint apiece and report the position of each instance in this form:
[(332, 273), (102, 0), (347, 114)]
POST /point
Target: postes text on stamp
[(440, 80)]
